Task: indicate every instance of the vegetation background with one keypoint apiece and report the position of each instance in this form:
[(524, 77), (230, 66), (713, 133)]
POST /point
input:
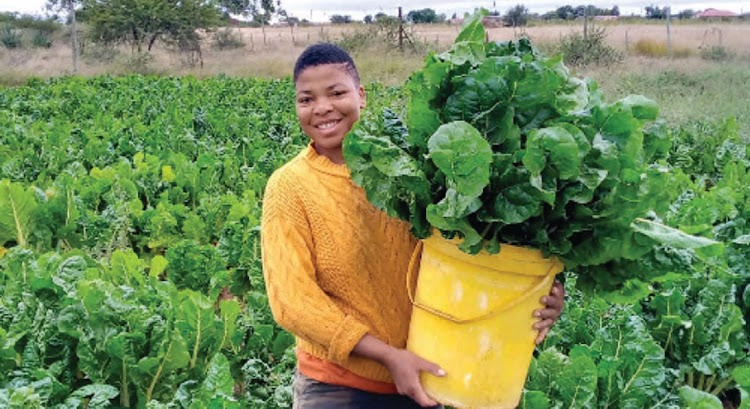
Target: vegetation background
[(131, 277)]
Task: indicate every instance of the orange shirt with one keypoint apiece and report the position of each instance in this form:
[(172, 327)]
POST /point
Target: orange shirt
[(330, 373)]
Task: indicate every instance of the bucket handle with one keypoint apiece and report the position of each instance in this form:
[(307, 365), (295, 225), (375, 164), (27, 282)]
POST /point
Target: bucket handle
[(449, 317)]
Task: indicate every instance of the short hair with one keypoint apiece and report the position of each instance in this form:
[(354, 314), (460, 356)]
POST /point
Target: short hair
[(325, 53)]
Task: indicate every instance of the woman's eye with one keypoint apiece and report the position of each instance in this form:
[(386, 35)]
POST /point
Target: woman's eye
[(304, 100)]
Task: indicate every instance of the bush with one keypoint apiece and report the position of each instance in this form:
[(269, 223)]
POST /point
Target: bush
[(227, 39), (24, 21), (578, 51), (139, 63), (716, 53), (384, 33), (99, 53), (41, 40), (10, 37)]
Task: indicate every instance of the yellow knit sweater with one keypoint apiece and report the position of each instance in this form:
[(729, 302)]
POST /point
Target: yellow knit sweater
[(335, 266)]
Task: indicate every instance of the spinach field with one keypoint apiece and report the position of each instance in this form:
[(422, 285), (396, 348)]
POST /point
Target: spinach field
[(130, 270)]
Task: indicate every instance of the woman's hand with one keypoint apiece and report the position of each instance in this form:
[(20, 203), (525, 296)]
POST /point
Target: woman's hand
[(405, 368), (554, 303)]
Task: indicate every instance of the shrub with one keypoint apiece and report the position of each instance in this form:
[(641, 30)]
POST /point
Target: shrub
[(41, 40), (716, 53), (227, 39), (384, 33), (99, 53), (10, 37), (139, 63), (593, 49)]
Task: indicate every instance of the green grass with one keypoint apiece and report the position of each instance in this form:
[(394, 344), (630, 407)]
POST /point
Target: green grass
[(714, 92)]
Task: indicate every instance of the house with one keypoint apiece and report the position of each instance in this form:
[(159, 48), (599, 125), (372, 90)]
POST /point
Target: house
[(714, 13), (492, 21)]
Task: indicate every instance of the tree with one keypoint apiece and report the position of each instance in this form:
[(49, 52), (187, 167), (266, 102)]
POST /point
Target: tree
[(382, 18), (368, 19), (339, 19), (260, 11), (516, 16), (423, 16), (140, 23), (566, 13), (292, 21), (70, 7), (686, 14), (656, 13)]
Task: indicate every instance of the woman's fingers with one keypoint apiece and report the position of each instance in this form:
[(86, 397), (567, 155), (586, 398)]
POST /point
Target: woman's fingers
[(547, 314), (541, 336), (421, 397), (432, 368)]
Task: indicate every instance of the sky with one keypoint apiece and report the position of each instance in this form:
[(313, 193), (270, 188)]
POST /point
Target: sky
[(321, 10)]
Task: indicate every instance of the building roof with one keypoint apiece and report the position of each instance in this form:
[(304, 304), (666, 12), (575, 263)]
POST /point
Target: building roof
[(716, 13)]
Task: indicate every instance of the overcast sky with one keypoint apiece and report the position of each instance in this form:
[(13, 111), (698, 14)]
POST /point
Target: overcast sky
[(321, 10)]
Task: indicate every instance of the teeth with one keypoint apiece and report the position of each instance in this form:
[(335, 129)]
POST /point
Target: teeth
[(327, 125)]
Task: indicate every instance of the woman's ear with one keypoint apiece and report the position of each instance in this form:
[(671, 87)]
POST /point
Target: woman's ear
[(362, 97)]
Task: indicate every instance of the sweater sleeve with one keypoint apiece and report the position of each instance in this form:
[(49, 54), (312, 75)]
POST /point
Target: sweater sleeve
[(298, 303)]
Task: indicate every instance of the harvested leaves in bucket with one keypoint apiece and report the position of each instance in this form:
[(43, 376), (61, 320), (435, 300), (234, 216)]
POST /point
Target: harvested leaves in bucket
[(502, 145)]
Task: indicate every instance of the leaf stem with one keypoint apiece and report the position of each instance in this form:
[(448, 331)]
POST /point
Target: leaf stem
[(17, 218), (722, 385), (197, 341), (701, 382), (709, 383), (124, 394), (151, 387)]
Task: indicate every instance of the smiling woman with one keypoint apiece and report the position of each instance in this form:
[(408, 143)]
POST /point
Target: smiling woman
[(328, 105)]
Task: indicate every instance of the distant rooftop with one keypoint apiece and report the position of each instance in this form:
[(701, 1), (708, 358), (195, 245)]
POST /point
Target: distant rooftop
[(715, 13)]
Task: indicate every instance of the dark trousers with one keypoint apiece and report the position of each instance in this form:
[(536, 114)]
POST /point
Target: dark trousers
[(312, 394)]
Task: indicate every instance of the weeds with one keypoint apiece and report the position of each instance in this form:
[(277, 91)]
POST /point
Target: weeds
[(578, 50), (716, 53)]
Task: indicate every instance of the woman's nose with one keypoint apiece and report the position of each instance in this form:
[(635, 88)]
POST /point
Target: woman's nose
[(322, 106)]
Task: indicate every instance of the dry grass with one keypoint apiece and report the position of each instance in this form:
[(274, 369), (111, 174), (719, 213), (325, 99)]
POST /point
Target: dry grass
[(651, 48), (272, 52)]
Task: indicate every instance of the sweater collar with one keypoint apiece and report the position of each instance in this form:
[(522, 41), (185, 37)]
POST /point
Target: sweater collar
[(324, 164)]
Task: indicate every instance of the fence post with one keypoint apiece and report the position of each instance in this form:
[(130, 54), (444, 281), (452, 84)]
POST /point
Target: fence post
[(669, 34), (627, 41), (585, 24), (400, 30)]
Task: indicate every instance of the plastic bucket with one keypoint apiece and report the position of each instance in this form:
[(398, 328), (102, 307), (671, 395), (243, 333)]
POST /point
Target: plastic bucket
[(473, 316)]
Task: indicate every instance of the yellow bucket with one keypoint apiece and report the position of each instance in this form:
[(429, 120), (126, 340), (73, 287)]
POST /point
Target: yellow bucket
[(473, 316)]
